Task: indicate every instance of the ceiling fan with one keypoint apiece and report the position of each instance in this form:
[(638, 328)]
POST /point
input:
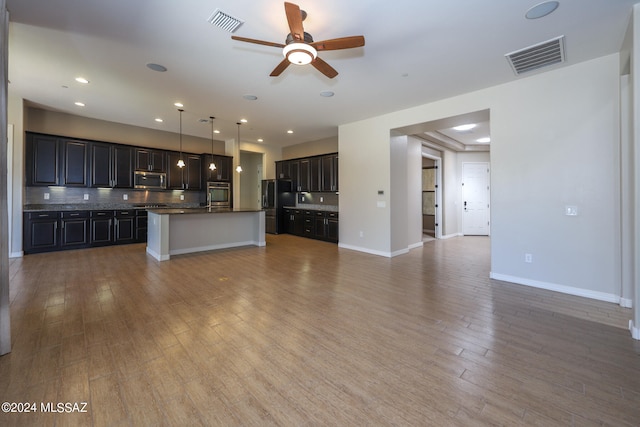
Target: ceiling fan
[(299, 47)]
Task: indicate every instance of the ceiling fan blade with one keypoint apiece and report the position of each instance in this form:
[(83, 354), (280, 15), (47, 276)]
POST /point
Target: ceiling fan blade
[(341, 43), (294, 18), (244, 39), (280, 68), (324, 68)]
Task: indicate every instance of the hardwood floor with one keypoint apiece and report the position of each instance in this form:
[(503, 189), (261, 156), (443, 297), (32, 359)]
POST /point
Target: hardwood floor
[(302, 333)]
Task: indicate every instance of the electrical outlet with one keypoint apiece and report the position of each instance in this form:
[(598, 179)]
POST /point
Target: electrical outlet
[(361, 234), (46, 196), (528, 258), (86, 196), (571, 210), (125, 197), (182, 197), (321, 199)]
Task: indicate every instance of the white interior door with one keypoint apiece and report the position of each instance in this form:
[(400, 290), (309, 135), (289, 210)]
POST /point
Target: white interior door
[(475, 199)]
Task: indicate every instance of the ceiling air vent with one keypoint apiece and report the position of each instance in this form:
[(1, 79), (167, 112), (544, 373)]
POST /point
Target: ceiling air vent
[(537, 56), (224, 21)]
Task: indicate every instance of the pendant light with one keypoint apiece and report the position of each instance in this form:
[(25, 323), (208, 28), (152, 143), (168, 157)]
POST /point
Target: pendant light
[(212, 165), (238, 168), (180, 161)]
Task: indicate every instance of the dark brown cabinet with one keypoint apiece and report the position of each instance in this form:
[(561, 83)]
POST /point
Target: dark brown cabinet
[(312, 174), (223, 170), (40, 232), (187, 177), (321, 225), (315, 174), (54, 161), (74, 163), (329, 173), (124, 226), (101, 228), (42, 160), (141, 225), (53, 231), (150, 160), (111, 166), (74, 229)]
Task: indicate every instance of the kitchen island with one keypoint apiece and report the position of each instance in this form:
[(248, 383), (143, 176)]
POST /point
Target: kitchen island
[(182, 231)]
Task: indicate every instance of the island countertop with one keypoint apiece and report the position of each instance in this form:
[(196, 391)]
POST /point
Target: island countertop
[(203, 210)]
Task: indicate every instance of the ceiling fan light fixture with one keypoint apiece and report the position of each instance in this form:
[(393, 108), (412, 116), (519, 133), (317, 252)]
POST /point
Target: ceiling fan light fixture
[(299, 53)]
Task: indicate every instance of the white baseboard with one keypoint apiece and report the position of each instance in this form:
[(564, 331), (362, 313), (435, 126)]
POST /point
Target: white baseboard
[(570, 290), (449, 236), (626, 302), (416, 245), (16, 254), (635, 332), (365, 250)]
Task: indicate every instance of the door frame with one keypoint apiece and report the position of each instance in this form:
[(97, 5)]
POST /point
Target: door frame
[(439, 218)]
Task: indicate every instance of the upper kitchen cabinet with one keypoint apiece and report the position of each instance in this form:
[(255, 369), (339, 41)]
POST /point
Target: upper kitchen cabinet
[(317, 173), (74, 163), (222, 172), (42, 160), (329, 173), (111, 166), (55, 161), (187, 177), (150, 160)]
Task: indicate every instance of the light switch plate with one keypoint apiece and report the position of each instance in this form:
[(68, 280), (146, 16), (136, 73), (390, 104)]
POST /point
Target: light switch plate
[(571, 210)]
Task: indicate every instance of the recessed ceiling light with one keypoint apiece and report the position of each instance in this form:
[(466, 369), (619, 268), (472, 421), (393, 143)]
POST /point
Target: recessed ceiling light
[(156, 67), (483, 140), (243, 120), (80, 104), (250, 97), (179, 104), (462, 128), (159, 120), (289, 131), (82, 80), (327, 94), (541, 9), (216, 131), (260, 140)]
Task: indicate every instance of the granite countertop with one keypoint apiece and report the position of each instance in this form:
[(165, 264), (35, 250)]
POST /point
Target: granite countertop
[(198, 210), (104, 206), (326, 208)]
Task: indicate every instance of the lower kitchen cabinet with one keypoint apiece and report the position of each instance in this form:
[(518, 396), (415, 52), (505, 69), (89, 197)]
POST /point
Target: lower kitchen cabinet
[(40, 232), (141, 225), (101, 228), (320, 225), (49, 231), (74, 229), (124, 227)]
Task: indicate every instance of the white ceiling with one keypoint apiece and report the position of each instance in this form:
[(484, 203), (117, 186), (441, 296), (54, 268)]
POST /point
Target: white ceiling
[(415, 52)]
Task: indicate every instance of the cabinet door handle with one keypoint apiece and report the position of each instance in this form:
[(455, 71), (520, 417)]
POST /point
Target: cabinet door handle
[(42, 215)]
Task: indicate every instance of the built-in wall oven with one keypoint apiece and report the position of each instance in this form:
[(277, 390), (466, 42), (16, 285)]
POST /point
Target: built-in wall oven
[(219, 194)]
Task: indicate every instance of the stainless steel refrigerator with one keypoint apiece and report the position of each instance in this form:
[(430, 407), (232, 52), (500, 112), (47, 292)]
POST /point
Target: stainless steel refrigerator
[(276, 194)]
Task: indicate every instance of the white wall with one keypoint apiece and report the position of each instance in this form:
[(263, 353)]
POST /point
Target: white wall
[(554, 143), (15, 113)]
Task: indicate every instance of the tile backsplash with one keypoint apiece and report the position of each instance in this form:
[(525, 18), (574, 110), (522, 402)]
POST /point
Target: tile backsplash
[(317, 200), (92, 196)]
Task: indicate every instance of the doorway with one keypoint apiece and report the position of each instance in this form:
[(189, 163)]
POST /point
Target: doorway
[(431, 198)]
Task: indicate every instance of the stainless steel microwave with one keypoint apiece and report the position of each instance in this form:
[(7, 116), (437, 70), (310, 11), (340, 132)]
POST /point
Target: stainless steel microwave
[(150, 180)]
